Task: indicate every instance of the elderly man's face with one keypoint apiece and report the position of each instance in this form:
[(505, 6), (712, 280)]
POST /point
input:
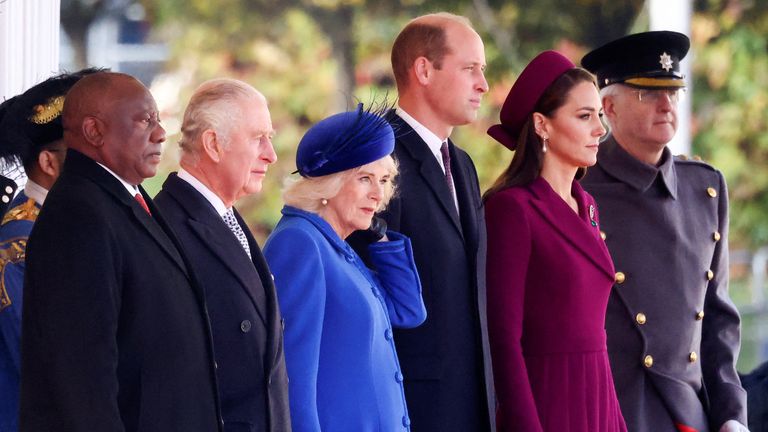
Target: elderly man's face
[(133, 136), (249, 151), (646, 118)]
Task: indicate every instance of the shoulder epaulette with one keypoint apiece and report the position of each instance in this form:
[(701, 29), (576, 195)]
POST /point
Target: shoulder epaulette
[(25, 211), (693, 160)]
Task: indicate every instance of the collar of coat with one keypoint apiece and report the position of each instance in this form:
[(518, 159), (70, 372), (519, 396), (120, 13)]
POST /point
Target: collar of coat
[(639, 175), (325, 229)]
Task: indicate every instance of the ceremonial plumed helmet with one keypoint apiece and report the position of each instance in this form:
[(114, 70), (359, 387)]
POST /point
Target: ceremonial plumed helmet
[(32, 120), (343, 141), (642, 60)]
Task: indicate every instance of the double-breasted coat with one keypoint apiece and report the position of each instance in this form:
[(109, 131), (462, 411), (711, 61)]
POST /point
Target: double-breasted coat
[(245, 318), (673, 332), (339, 315), (115, 335), (549, 277), (446, 361)]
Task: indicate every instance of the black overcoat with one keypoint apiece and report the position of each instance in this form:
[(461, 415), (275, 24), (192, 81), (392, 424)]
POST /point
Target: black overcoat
[(245, 318), (115, 332)]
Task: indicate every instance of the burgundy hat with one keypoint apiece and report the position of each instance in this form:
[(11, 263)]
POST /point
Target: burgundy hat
[(540, 73)]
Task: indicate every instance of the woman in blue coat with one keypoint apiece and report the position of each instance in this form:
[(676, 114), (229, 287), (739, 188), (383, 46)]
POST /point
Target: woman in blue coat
[(342, 365)]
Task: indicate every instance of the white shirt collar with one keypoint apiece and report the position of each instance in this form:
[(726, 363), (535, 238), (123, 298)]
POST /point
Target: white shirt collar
[(132, 189), (433, 141), (35, 192), (212, 198)]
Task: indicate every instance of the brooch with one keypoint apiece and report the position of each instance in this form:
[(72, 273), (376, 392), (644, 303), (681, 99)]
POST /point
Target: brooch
[(592, 215)]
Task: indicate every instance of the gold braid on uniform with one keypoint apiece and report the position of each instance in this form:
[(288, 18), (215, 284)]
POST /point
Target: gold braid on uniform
[(25, 211), (12, 251)]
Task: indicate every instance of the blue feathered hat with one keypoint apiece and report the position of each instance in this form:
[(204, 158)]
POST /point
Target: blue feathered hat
[(343, 141)]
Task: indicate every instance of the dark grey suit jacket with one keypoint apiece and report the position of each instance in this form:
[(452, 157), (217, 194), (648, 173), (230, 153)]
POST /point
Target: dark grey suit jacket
[(446, 360), (115, 332), (245, 318)]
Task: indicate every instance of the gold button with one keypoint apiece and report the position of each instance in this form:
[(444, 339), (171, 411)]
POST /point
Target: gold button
[(711, 192), (602, 235), (699, 315), (692, 357), (716, 236), (648, 361), (620, 278), (710, 275), (640, 318)]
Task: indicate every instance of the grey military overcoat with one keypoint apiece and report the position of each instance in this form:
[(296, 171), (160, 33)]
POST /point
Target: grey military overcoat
[(673, 332)]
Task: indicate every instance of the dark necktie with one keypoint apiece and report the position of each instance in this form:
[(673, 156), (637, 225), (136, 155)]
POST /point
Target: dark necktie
[(447, 164), (142, 203), (237, 230)]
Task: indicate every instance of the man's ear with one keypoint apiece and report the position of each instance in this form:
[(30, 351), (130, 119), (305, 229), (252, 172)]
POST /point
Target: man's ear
[(48, 162), (609, 107), (211, 145), (93, 131), (422, 69)]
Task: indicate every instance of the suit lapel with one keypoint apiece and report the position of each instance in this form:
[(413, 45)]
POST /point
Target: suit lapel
[(216, 236), (270, 294), (575, 230), (467, 196), (155, 225), (429, 169)]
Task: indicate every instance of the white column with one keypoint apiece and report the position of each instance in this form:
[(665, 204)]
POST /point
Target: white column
[(676, 16), (29, 43)]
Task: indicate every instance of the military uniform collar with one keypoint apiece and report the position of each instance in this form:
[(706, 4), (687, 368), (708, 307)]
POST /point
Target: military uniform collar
[(623, 166)]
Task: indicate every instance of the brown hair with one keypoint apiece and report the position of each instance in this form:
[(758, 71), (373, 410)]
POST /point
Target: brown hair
[(424, 36), (528, 158)]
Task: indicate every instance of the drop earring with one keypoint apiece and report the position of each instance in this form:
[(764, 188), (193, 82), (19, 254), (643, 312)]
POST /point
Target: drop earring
[(544, 145)]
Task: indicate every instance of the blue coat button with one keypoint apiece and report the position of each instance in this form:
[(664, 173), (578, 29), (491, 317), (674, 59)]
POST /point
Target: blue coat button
[(245, 326), (399, 377), (406, 421), (388, 334)]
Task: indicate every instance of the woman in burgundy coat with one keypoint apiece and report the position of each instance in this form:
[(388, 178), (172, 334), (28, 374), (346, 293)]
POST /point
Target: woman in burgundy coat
[(549, 272)]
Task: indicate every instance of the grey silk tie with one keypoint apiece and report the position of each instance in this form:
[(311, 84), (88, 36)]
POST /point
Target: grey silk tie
[(231, 221)]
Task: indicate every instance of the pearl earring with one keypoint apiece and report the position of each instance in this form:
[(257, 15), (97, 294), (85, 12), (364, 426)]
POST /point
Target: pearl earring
[(324, 201), (544, 145)]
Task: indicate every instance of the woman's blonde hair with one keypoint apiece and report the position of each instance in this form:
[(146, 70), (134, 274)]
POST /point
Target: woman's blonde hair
[(308, 193)]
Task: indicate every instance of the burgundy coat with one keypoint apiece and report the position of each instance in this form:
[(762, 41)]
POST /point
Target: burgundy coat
[(549, 276)]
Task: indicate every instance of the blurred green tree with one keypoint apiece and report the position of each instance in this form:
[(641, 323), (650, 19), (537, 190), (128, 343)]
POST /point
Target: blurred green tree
[(730, 104)]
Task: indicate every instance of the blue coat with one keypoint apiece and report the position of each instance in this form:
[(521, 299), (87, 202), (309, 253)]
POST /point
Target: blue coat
[(341, 358), (14, 232)]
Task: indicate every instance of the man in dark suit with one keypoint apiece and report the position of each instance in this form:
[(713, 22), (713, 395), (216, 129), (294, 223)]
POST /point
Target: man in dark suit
[(115, 331), (673, 332), (226, 149), (438, 61)]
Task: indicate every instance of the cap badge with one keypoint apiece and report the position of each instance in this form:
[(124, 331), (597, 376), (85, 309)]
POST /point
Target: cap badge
[(666, 61)]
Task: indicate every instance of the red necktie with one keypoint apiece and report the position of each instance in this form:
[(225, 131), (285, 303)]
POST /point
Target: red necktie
[(142, 203)]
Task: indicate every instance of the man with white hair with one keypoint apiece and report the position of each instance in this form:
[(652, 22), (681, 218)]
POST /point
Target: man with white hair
[(226, 147), (673, 332)]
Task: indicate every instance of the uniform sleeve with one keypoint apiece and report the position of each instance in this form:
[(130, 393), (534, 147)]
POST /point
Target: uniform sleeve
[(509, 249), (10, 316), (396, 273), (72, 299), (721, 333), (295, 261)]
